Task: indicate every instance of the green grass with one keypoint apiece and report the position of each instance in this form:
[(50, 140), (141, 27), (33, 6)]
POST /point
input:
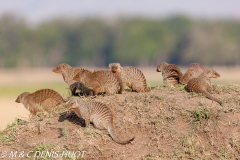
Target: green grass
[(7, 136), (42, 148)]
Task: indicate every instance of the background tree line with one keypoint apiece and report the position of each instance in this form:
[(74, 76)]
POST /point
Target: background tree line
[(130, 41)]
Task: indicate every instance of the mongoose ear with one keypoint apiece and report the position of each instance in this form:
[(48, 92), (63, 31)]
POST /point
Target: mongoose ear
[(110, 65), (76, 77)]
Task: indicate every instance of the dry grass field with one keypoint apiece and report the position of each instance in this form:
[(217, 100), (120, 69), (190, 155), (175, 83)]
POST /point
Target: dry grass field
[(168, 123)]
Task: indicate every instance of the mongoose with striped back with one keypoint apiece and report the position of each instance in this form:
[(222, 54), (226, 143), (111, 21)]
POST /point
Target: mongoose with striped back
[(171, 73), (100, 81), (68, 74), (194, 70), (97, 113), (129, 76), (108, 81), (41, 100), (202, 84)]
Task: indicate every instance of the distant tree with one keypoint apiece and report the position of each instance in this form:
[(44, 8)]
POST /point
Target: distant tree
[(130, 41)]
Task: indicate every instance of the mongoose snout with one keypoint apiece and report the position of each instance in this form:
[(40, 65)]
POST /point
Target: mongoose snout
[(158, 70), (17, 100), (71, 106), (215, 75), (56, 70)]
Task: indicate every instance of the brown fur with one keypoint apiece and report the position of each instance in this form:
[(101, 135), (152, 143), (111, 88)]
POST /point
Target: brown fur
[(202, 84), (100, 81), (97, 113), (68, 73), (194, 70), (44, 99), (171, 73), (129, 76)]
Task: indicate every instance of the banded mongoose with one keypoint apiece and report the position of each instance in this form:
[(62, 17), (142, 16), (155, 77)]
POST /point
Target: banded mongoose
[(194, 70), (100, 81), (129, 76), (202, 84), (68, 74), (97, 113), (171, 73), (41, 100)]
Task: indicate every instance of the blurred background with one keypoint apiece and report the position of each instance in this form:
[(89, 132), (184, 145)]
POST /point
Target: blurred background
[(35, 36)]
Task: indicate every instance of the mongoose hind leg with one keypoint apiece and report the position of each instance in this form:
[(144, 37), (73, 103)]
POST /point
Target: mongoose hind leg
[(98, 124)]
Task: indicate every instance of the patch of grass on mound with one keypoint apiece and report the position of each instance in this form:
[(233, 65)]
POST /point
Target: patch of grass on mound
[(7, 136)]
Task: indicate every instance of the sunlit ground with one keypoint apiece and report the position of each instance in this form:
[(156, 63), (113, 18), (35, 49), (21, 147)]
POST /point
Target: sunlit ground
[(14, 82)]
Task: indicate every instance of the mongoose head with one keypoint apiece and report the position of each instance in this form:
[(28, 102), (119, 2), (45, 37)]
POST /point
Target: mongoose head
[(21, 97), (210, 73), (161, 66), (72, 104), (114, 67), (59, 68)]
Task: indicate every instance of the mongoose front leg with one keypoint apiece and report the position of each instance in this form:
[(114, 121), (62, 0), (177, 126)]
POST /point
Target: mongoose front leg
[(87, 122), (117, 75), (121, 88)]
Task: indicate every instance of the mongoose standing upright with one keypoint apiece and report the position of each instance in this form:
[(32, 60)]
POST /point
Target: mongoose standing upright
[(202, 84), (68, 73), (97, 113), (194, 70), (171, 73), (44, 99), (100, 81), (129, 76)]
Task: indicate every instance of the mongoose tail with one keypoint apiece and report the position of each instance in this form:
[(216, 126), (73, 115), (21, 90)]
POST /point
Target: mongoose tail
[(115, 137), (209, 96)]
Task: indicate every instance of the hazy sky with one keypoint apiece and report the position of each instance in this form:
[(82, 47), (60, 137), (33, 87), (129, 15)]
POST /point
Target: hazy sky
[(38, 10)]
